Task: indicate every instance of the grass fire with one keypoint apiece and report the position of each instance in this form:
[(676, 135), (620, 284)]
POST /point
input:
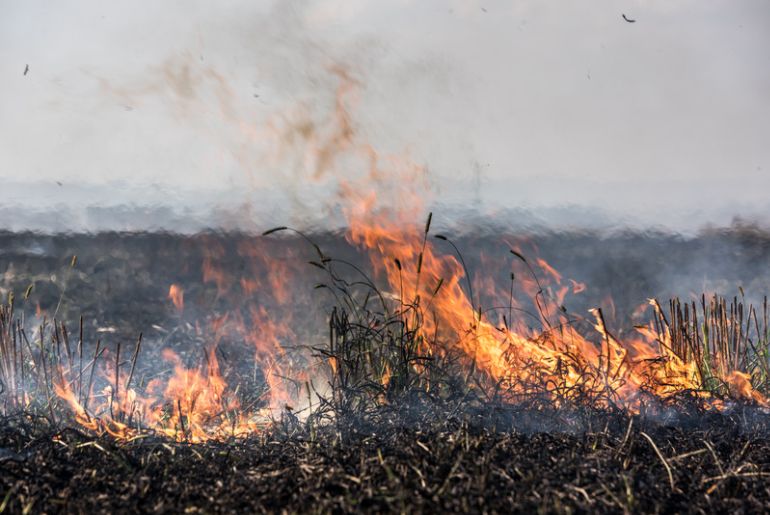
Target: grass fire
[(308, 263)]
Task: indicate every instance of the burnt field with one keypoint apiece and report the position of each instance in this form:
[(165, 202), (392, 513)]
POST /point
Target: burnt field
[(703, 464), (274, 384), (122, 279)]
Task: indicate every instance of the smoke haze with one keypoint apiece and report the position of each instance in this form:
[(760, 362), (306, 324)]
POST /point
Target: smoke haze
[(186, 115)]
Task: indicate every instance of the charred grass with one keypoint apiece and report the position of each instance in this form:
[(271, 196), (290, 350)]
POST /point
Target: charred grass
[(420, 441), (614, 464)]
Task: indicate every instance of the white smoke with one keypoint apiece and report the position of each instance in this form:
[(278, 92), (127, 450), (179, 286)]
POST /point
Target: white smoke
[(551, 107)]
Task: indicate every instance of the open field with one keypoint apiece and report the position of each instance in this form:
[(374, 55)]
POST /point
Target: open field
[(405, 444)]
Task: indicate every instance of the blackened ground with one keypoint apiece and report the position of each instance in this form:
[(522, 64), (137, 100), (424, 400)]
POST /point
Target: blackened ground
[(705, 463), (717, 464), (121, 280)]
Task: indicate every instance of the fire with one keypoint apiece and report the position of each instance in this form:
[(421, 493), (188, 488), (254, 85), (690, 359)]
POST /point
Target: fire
[(176, 295), (526, 348), (193, 404), (212, 399), (203, 407), (556, 359), (740, 384)]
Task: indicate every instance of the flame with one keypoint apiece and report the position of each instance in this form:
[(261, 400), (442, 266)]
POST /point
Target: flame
[(386, 375), (542, 351), (556, 358), (176, 295), (193, 404), (740, 386)]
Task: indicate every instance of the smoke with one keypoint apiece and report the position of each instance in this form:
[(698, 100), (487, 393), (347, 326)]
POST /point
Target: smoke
[(212, 116)]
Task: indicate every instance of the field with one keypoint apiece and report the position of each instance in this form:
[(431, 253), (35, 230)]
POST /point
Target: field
[(377, 437), (716, 463)]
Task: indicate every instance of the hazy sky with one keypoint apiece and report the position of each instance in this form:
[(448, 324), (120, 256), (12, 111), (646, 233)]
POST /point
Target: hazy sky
[(509, 104)]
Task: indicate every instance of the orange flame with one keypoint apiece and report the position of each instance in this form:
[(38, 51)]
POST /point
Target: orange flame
[(176, 295), (384, 207)]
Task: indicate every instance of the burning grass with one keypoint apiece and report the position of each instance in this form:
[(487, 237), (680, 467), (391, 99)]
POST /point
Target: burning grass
[(415, 383), (426, 391), (424, 339)]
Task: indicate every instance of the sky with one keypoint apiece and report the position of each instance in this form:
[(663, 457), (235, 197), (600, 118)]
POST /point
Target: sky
[(188, 114)]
